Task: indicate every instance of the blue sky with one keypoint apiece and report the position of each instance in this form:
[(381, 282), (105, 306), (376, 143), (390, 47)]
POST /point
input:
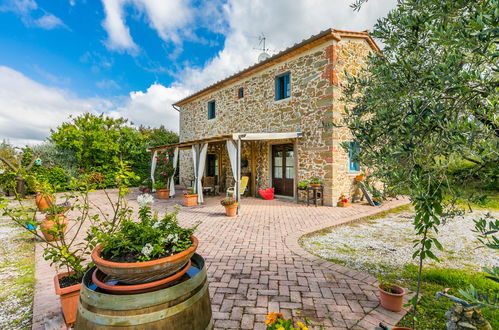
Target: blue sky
[(133, 58)]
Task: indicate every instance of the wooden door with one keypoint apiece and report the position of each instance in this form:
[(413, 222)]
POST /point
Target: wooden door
[(283, 169)]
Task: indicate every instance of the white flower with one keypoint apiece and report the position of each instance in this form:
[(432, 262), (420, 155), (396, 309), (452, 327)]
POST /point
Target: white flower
[(145, 199), (171, 238), (156, 224), (147, 249)]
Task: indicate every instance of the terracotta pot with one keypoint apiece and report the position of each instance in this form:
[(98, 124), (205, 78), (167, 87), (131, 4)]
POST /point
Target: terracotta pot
[(392, 301), (231, 210), (163, 193), (49, 223), (146, 271), (99, 279), (315, 185), (69, 299), (191, 200), (344, 204), (43, 201), (360, 177)]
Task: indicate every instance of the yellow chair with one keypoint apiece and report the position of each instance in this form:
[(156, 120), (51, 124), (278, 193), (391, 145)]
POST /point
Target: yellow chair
[(242, 188)]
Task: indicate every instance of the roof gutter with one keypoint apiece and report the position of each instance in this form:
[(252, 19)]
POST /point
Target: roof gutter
[(174, 107)]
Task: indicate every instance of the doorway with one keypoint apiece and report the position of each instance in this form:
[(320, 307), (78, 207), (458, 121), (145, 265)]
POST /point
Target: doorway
[(283, 169)]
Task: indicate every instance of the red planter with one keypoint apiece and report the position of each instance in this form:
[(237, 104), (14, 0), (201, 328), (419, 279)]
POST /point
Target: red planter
[(146, 271), (392, 301), (231, 210), (69, 299), (191, 200), (49, 223), (43, 202), (163, 193), (99, 279)]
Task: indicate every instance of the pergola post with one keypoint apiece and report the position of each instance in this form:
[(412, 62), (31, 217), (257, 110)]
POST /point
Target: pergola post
[(238, 171)]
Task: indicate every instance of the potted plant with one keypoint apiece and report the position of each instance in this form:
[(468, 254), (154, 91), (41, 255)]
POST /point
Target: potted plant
[(230, 206), (66, 253), (343, 201), (164, 173), (44, 196), (302, 185), (162, 191), (55, 223), (315, 183), (146, 186), (391, 296), (190, 198), (146, 250)]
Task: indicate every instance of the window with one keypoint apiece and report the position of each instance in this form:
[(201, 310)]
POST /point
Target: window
[(240, 93), (211, 109), (352, 154), (282, 86)]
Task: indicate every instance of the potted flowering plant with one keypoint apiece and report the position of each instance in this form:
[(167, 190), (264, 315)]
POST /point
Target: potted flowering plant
[(190, 198), (343, 201), (276, 321), (146, 250), (164, 173), (230, 206), (315, 183)]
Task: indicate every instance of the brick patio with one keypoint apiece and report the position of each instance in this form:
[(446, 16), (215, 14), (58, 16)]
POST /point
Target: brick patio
[(255, 266)]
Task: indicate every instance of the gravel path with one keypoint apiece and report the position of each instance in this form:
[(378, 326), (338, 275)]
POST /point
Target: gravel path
[(387, 242), (16, 276)]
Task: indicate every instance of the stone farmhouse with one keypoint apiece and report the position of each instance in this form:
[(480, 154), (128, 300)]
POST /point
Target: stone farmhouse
[(278, 117)]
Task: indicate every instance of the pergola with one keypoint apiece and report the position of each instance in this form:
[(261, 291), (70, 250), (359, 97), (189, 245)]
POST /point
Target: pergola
[(199, 149)]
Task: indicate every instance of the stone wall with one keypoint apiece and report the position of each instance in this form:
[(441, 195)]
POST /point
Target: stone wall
[(315, 87), (351, 58)]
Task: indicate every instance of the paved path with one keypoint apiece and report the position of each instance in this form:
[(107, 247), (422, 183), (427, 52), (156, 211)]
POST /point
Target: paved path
[(255, 266)]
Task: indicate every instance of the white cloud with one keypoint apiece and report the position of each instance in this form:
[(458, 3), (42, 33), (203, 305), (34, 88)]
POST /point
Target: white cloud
[(167, 17), (153, 107), (26, 9), (28, 109), (119, 37), (49, 22)]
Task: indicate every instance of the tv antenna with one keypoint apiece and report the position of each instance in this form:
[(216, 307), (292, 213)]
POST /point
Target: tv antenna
[(262, 39)]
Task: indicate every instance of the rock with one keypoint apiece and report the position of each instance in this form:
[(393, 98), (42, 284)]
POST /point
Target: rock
[(466, 325)]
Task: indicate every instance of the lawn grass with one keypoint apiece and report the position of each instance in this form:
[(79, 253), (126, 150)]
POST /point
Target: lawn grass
[(431, 311)]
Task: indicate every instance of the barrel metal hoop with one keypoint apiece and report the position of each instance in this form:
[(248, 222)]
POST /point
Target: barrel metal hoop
[(135, 320), (143, 300)]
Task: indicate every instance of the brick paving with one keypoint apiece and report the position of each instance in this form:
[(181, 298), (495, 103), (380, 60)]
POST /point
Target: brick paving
[(256, 265)]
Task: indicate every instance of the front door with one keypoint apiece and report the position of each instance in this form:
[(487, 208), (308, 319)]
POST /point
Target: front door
[(283, 169)]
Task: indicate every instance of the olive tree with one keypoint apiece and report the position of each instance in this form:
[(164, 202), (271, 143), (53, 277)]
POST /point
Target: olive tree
[(424, 110)]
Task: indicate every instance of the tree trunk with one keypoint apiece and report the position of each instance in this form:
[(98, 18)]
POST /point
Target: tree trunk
[(21, 187)]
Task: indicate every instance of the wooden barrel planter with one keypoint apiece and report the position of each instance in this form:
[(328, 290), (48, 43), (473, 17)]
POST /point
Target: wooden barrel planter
[(185, 305)]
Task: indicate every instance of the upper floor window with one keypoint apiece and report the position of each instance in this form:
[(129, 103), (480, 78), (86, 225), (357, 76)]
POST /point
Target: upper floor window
[(240, 93), (283, 86), (352, 155), (211, 109)]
